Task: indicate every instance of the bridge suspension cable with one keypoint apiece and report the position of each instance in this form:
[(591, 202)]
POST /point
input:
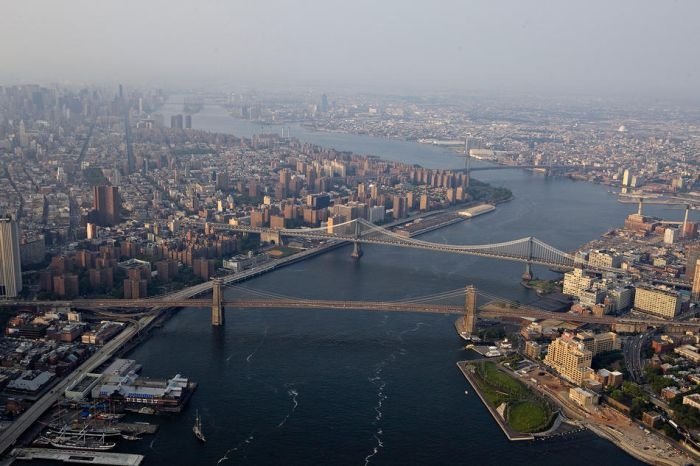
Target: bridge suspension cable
[(264, 294), (433, 297), (528, 249)]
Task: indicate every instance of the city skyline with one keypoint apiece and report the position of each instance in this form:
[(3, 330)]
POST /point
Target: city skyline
[(328, 231)]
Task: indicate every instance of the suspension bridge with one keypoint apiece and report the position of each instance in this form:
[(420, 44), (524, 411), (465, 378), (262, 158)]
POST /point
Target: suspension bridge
[(447, 302), (528, 250)]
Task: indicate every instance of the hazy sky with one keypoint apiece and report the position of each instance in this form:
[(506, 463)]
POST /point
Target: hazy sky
[(564, 46)]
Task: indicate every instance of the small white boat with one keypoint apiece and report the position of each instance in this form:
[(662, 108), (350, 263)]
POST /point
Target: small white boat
[(466, 392)]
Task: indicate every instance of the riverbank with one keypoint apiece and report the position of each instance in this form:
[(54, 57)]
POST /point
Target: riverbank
[(606, 422), (466, 368), (403, 354)]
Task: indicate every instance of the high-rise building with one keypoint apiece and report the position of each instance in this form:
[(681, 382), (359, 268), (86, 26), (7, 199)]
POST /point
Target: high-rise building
[(692, 254), (576, 281), (188, 121), (626, 177), (659, 302), (696, 281), (324, 103), (399, 207), (107, 205), (607, 259), (10, 262), (176, 121), (570, 358)]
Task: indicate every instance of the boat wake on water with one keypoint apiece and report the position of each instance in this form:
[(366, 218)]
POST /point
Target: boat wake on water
[(262, 340), (243, 443), (380, 383), (293, 394)]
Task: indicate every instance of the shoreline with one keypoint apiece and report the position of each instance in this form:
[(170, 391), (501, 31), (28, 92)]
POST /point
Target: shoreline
[(509, 433)]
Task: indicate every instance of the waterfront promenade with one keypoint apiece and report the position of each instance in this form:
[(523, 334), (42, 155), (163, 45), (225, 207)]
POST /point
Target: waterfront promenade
[(512, 435), (608, 423)]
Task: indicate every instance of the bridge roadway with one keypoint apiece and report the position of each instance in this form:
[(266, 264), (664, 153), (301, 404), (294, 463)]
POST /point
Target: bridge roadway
[(9, 436), (555, 260), (524, 167), (378, 306)]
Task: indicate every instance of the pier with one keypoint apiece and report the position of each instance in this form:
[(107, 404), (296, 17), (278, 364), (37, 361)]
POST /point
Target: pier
[(509, 433), (77, 456)]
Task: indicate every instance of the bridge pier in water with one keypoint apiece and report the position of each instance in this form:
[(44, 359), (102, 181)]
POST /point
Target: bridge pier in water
[(356, 250), (217, 309), (469, 325), (527, 274), (356, 246)]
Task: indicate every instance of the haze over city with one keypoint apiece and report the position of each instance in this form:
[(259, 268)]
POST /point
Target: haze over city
[(586, 47), (350, 232)]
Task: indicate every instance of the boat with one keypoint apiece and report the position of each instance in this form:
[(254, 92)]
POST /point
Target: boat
[(73, 443), (109, 416), (466, 392), (130, 437), (80, 442), (197, 428), (87, 431)]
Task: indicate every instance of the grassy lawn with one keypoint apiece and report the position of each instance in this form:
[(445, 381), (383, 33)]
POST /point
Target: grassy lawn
[(528, 416), (526, 412), (495, 377)]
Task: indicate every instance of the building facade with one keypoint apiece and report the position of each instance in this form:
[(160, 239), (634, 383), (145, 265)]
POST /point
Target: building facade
[(658, 302), (10, 261), (569, 358)]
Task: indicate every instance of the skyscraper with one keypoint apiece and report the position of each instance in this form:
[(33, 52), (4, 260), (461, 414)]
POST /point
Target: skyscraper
[(107, 205), (177, 121), (696, 282), (10, 265), (324, 103)]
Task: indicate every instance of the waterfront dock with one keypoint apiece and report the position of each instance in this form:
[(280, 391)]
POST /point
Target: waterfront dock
[(137, 428), (77, 456), (509, 433)]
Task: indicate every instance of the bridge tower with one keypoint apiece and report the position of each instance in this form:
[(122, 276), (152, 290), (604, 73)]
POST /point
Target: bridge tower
[(685, 220), (217, 296), (356, 246), (470, 311), (467, 157), (527, 275)]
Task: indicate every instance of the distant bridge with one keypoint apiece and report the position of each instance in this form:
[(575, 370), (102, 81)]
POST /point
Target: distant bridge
[(526, 167), (528, 250)]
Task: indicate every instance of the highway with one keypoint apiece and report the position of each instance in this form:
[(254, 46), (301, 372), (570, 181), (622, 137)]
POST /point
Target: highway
[(9, 436), (632, 351)]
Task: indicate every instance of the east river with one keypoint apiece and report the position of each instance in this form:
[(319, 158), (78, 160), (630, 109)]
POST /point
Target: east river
[(337, 387)]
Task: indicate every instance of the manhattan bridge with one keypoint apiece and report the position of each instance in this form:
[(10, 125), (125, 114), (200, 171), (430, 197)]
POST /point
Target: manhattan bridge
[(528, 250)]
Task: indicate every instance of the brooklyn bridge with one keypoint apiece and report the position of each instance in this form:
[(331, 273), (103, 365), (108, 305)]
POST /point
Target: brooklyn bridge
[(433, 304), (527, 250)]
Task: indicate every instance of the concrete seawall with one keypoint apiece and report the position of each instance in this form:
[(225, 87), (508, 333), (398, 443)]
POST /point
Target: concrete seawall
[(509, 433)]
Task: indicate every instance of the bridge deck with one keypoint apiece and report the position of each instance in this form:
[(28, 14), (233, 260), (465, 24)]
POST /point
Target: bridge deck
[(378, 306)]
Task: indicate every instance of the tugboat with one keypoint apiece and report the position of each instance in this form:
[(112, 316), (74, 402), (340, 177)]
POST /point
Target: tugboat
[(197, 428)]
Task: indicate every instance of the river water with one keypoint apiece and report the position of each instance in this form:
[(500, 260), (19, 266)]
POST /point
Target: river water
[(332, 387)]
